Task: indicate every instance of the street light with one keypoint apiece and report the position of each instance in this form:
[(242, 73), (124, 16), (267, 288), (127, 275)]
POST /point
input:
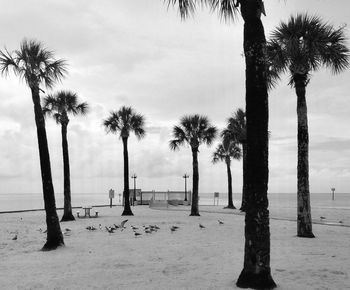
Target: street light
[(185, 176), (332, 189), (134, 177)]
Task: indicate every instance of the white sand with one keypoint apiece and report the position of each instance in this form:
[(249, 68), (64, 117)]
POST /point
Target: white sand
[(190, 258)]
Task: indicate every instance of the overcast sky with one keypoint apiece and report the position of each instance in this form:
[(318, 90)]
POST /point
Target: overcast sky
[(139, 53)]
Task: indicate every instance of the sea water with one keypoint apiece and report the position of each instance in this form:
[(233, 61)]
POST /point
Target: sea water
[(26, 201)]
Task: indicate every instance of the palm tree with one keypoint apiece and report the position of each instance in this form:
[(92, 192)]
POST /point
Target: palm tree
[(226, 150), (236, 131), (193, 130), (59, 106), (36, 66), (256, 272), (303, 45), (124, 121)]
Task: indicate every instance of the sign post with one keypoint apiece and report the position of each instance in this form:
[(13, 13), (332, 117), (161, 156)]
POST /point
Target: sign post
[(216, 197), (111, 196)]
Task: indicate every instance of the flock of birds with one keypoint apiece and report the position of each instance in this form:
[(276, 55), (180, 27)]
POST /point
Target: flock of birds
[(139, 231)]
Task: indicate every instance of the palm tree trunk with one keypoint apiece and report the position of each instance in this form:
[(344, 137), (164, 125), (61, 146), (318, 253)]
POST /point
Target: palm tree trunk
[(244, 190), (195, 176), (67, 212), (127, 208), (229, 184), (54, 236), (256, 272), (304, 223)]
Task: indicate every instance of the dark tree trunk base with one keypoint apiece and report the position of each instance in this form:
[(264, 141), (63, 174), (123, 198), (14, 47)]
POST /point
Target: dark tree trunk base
[(127, 212), (262, 280), (230, 207), (67, 218), (49, 246), (195, 214), (306, 235)]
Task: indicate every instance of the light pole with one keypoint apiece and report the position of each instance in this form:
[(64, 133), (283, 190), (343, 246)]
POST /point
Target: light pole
[(134, 177), (332, 189), (185, 176)]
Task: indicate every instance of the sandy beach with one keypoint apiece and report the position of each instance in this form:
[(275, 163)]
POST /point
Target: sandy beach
[(188, 258)]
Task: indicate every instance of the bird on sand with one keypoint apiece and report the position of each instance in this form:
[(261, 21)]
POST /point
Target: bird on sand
[(122, 224), (110, 230), (136, 234), (134, 228), (201, 226), (322, 217), (220, 222), (14, 238), (173, 228), (67, 232), (91, 228)]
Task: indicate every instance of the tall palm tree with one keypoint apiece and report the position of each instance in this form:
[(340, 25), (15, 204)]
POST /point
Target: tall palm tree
[(37, 66), (124, 121), (226, 150), (193, 130), (256, 271), (236, 131), (59, 106), (300, 46)]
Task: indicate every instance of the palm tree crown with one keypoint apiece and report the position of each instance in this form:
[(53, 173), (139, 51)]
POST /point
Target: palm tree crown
[(124, 121), (63, 103), (227, 150), (193, 130), (33, 63), (236, 127), (304, 44)]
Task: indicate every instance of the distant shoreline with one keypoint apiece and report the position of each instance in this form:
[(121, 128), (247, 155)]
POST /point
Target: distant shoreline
[(59, 208)]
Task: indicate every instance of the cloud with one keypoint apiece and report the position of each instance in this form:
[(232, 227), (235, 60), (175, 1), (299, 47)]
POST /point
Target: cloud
[(331, 144)]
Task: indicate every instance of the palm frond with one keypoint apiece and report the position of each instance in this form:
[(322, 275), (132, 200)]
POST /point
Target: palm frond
[(137, 124), (185, 7), (112, 123), (82, 109), (236, 128), (209, 135), (7, 63), (227, 9), (176, 143)]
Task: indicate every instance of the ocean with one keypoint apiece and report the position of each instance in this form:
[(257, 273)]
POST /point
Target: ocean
[(27, 201)]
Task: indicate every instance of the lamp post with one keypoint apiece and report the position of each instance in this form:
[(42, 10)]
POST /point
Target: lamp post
[(185, 176), (134, 198), (332, 189)]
